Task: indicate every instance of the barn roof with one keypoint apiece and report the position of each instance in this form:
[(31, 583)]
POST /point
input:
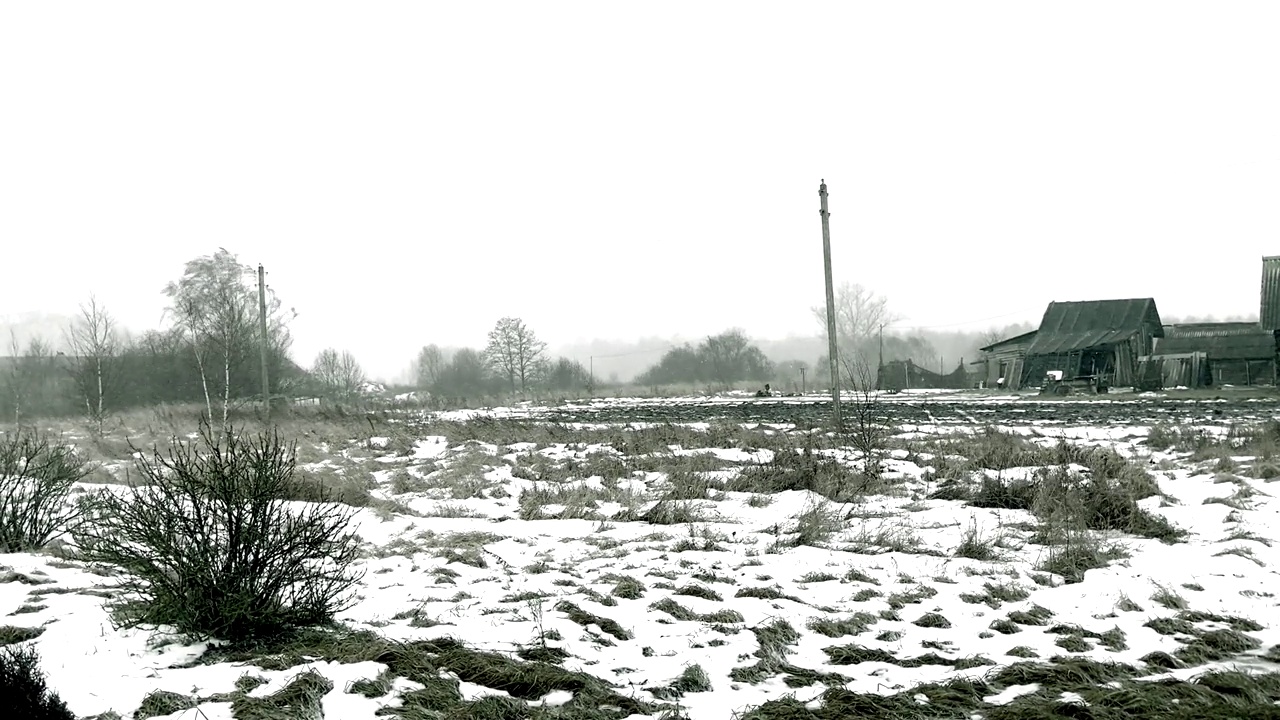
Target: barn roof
[(1024, 337), (1212, 329), (1071, 326), (1220, 341)]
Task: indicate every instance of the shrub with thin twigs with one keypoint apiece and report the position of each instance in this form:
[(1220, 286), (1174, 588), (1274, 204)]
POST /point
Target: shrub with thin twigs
[(23, 692), (211, 546), (866, 426), (36, 479)]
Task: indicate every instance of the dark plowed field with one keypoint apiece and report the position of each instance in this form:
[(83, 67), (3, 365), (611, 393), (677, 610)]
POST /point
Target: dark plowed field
[(932, 411)]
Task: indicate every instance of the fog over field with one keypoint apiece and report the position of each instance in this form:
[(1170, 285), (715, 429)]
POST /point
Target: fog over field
[(410, 174), (702, 360)]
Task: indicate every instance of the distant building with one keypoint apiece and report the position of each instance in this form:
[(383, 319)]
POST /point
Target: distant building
[(1226, 353), (906, 375)]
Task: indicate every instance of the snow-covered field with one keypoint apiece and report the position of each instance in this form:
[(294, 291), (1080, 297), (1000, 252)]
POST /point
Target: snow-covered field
[(652, 574)]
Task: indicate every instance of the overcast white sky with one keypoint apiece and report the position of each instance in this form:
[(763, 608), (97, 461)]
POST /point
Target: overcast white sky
[(408, 172)]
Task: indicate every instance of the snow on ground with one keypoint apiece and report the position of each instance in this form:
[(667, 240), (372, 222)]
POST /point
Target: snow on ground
[(466, 558)]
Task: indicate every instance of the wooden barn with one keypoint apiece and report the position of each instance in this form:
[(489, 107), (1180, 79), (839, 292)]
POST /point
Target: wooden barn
[(1233, 353), (1001, 363), (1097, 340)]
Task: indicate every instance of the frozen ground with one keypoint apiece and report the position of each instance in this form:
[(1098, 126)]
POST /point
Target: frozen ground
[(1120, 407), (707, 603)]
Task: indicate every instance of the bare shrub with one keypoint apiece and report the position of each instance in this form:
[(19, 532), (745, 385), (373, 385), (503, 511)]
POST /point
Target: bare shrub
[(23, 690), (865, 423), (210, 546), (36, 479)]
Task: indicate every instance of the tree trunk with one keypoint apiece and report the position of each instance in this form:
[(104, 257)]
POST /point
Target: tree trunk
[(100, 401), (226, 387), (204, 384)]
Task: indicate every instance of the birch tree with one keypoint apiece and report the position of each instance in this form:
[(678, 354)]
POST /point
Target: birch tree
[(215, 304), (95, 346)]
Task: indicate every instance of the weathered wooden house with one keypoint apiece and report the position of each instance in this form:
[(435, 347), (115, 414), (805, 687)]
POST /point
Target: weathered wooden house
[(905, 375), (1093, 339), (1234, 353), (1001, 363)]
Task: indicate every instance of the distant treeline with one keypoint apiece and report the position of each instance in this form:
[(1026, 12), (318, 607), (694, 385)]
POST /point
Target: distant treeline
[(729, 359), (159, 367), (721, 360)]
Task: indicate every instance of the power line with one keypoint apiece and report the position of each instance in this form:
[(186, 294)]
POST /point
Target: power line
[(635, 352), (957, 324)]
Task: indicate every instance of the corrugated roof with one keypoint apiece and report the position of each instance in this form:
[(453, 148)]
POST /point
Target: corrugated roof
[(1071, 326), (1212, 329), (1220, 341), (1269, 311), (1024, 337)]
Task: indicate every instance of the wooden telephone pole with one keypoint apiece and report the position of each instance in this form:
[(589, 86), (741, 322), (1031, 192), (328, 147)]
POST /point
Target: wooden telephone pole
[(262, 327), (832, 345)]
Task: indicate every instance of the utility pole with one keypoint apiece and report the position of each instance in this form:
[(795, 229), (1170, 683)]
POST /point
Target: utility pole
[(592, 373), (804, 385), (832, 345), (880, 359), (262, 327)]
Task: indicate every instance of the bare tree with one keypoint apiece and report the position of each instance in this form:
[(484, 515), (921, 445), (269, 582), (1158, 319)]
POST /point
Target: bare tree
[(465, 375), (989, 337), (731, 357), (514, 351), (94, 345), (14, 383), (859, 315), (339, 374), (566, 374), (29, 377), (429, 366)]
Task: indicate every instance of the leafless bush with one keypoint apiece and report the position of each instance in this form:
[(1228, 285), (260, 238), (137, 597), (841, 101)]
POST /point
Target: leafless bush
[(211, 547), (36, 479), (863, 418), (23, 687)]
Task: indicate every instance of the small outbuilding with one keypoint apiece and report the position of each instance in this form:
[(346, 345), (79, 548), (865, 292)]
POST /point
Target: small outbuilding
[(1001, 363), (1233, 353), (1095, 340)]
